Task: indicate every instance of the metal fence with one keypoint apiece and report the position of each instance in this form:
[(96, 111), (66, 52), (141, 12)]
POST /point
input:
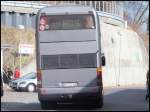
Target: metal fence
[(9, 17)]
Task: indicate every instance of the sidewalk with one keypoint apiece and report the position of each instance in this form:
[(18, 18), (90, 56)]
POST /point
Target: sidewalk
[(127, 86), (6, 87)]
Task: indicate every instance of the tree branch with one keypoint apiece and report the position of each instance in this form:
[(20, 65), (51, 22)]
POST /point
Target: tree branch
[(143, 13)]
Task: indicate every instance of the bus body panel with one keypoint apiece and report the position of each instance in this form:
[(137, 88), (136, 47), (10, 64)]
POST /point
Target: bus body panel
[(62, 10), (72, 94), (67, 35), (85, 77), (68, 48)]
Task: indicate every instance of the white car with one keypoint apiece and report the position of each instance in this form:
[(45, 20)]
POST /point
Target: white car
[(25, 83)]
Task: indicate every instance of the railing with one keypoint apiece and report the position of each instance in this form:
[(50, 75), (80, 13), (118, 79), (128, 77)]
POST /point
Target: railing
[(104, 9), (110, 7), (23, 4), (110, 15), (104, 6)]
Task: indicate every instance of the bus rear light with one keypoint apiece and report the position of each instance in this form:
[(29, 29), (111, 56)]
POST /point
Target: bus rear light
[(39, 81), (99, 76), (43, 20), (99, 71), (43, 23), (42, 28), (39, 75)]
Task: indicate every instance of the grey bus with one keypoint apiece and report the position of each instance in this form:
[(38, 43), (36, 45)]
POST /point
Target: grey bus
[(68, 54)]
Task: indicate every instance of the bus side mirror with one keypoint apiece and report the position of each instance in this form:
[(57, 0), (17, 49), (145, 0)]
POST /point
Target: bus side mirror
[(103, 60)]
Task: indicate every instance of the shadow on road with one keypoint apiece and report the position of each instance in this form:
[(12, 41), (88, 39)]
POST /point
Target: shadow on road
[(36, 106), (127, 99), (19, 106)]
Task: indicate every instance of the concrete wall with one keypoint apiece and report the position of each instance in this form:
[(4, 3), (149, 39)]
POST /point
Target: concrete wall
[(14, 19), (126, 57)]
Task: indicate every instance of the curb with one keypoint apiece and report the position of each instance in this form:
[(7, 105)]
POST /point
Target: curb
[(6, 87)]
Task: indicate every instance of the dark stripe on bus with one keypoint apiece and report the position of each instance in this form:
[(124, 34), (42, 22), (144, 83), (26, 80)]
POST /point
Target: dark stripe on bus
[(68, 61), (67, 41)]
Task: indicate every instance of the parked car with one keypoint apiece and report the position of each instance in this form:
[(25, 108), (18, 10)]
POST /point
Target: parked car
[(27, 82)]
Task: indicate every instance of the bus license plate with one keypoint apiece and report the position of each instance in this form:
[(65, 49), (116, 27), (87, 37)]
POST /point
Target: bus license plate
[(69, 84)]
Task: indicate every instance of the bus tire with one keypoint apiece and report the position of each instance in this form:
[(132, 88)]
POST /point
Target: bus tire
[(99, 102), (44, 104)]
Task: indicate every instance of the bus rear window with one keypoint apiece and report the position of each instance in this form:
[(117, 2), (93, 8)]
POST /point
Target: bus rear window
[(66, 22)]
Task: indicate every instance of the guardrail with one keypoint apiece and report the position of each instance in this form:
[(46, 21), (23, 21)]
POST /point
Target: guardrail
[(110, 15), (113, 11), (116, 11), (23, 4)]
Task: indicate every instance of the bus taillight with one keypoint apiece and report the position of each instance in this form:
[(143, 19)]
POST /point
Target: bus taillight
[(99, 71), (43, 23), (99, 76), (39, 81)]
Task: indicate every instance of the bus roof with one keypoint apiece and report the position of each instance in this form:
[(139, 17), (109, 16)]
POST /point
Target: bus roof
[(63, 9)]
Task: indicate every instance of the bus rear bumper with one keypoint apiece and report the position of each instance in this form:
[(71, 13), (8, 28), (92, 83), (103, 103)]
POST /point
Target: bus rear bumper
[(69, 94)]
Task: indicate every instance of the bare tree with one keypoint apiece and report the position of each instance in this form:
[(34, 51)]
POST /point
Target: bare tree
[(136, 13)]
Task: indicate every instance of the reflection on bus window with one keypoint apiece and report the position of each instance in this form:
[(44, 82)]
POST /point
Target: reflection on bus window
[(67, 22), (88, 22)]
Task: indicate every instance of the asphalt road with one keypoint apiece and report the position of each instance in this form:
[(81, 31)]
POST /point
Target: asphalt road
[(115, 99)]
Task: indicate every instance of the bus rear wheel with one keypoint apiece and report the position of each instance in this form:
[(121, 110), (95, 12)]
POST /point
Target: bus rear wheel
[(99, 102), (47, 105), (44, 104)]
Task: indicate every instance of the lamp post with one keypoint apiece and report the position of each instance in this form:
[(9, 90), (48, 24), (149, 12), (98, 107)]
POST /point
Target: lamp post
[(20, 27)]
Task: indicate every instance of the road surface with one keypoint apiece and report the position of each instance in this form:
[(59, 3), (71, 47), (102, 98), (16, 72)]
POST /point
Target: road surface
[(115, 98)]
